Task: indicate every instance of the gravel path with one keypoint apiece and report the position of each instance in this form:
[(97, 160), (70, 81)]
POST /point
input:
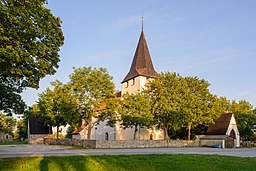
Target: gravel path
[(7, 151)]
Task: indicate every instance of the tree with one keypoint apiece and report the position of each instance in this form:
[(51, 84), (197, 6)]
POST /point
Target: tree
[(245, 118), (7, 123), (56, 107), (22, 129), (30, 38), (165, 94), (10, 101), (135, 111), (109, 111), (198, 104), (91, 87)]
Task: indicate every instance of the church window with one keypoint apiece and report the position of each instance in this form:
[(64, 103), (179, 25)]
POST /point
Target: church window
[(151, 136), (126, 84), (106, 136), (133, 81), (147, 80)]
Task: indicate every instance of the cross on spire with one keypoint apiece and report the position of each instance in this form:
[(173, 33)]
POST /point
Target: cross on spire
[(142, 21)]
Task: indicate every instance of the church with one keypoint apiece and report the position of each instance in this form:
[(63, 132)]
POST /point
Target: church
[(141, 72)]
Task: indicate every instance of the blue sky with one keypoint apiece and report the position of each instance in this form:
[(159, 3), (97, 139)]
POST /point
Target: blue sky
[(212, 39)]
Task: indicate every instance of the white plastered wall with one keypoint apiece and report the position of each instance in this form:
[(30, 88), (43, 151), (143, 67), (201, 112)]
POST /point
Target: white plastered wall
[(233, 126), (135, 85)]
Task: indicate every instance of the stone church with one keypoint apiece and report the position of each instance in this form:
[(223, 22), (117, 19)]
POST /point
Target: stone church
[(141, 72)]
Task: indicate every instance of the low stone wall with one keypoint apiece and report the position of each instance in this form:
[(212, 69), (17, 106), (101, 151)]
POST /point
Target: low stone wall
[(71, 142), (121, 143)]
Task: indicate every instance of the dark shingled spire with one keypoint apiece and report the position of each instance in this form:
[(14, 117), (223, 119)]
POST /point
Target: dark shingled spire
[(142, 64)]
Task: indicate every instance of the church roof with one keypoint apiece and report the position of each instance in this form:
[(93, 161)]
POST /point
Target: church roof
[(220, 126), (142, 64)]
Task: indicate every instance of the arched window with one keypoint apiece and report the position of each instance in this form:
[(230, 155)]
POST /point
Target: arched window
[(133, 81), (151, 136), (106, 136)]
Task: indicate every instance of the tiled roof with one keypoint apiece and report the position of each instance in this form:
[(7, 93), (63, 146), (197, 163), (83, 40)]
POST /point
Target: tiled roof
[(37, 126), (142, 64), (221, 125), (76, 131)]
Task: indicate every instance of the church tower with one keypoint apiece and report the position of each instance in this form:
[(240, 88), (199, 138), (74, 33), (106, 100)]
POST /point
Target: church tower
[(142, 70)]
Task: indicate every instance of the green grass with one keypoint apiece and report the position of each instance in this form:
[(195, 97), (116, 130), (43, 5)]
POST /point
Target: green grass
[(159, 162), (13, 143)]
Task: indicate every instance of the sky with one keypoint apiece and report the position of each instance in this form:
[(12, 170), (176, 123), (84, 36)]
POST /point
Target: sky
[(214, 40)]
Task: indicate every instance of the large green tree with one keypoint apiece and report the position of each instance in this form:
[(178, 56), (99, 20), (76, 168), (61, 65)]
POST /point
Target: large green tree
[(91, 87), (181, 102), (56, 106), (30, 38), (135, 112), (165, 94), (198, 104)]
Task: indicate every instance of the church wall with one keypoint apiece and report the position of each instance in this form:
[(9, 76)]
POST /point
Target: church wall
[(99, 132), (134, 85)]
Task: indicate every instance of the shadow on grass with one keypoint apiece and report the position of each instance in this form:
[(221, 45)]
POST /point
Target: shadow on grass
[(129, 162)]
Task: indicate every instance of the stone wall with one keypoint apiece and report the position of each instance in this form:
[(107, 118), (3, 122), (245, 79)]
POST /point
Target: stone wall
[(121, 143), (71, 142), (37, 138)]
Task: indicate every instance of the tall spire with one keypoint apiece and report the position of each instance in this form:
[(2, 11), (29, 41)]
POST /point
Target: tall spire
[(142, 64)]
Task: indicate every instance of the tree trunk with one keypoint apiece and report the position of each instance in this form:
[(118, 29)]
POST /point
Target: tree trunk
[(135, 132), (58, 127), (166, 137), (189, 129), (89, 129)]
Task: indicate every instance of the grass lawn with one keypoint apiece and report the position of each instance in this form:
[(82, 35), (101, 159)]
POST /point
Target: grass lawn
[(13, 143), (159, 162)]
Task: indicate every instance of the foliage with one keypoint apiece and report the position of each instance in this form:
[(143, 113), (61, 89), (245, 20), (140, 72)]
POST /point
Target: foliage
[(91, 87), (30, 38), (149, 162), (245, 118), (69, 131), (56, 107), (135, 112), (198, 104), (7, 123), (22, 129), (181, 102), (109, 111), (10, 101), (165, 96)]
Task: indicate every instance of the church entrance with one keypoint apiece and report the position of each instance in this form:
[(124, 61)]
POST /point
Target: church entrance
[(230, 141)]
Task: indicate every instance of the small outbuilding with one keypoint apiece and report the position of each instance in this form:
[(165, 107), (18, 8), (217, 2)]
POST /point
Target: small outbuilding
[(223, 132), (37, 130)]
